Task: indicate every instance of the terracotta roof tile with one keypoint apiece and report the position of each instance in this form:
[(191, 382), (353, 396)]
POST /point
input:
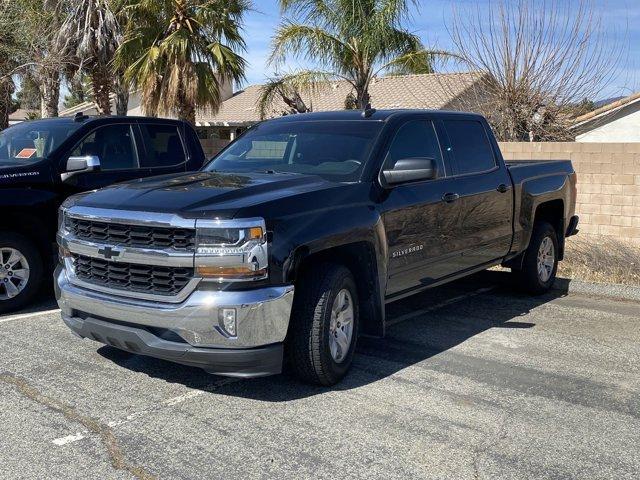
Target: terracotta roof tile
[(429, 91)]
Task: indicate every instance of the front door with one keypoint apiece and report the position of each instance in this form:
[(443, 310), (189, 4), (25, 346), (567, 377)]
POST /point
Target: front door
[(418, 224), (117, 147)]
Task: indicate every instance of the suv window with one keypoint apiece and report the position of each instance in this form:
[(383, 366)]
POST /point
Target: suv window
[(470, 146), (114, 145), (415, 139), (163, 146)]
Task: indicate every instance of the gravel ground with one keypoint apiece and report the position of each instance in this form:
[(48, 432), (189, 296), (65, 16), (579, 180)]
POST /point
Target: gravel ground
[(472, 381)]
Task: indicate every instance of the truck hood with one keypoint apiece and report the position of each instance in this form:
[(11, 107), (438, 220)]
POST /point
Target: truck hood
[(198, 194)]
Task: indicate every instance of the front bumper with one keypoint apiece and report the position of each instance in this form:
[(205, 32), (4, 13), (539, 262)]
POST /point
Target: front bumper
[(188, 332)]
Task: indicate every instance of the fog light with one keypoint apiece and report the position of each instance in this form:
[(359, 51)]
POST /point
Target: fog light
[(228, 321)]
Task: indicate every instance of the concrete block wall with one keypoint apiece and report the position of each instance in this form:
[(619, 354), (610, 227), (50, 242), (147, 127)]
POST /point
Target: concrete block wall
[(608, 182), (211, 146)]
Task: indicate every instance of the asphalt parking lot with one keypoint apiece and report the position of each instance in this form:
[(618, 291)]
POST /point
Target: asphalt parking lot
[(473, 381)]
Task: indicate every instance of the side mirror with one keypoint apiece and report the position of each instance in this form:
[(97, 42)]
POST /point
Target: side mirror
[(410, 170), (75, 165)]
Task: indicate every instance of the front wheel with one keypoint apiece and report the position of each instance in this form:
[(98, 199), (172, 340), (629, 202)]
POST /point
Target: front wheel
[(324, 325), (21, 271), (540, 262)]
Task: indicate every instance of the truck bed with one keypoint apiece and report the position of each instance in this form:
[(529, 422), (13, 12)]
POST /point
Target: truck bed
[(524, 170)]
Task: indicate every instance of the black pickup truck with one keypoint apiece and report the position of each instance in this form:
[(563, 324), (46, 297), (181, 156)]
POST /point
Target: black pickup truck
[(290, 242), (44, 161)]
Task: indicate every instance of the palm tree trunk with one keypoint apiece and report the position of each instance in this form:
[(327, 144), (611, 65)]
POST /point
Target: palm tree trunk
[(185, 109), (122, 95), (101, 83), (49, 93), (363, 99), (187, 112), (6, 89)]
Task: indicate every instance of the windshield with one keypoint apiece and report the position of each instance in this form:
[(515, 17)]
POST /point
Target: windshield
[(30, 142), (334, 150)]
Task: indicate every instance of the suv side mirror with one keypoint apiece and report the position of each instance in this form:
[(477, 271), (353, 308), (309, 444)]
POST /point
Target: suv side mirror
[(410, 170), (75, 165)]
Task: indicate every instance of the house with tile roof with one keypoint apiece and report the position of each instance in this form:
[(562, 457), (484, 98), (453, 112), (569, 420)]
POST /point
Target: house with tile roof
[(239, 110), (617, 121)]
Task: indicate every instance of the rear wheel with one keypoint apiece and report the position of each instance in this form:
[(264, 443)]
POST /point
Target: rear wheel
[(21, 271), (540, 262), (324, 325)]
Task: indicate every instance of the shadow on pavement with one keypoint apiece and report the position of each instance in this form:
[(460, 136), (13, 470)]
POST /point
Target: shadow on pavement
[(407, 343), (45, 301)]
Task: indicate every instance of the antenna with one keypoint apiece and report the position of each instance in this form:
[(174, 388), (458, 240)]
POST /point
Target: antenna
[(368, 111), (80, 117)]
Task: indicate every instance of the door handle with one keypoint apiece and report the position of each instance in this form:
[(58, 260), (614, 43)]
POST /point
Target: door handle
[(502, 188), (450, 197)]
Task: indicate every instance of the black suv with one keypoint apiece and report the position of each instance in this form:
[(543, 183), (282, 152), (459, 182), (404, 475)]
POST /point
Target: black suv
[(44, 161)]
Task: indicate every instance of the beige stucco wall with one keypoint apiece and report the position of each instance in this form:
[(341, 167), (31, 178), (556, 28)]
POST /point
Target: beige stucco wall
[(608, 182)]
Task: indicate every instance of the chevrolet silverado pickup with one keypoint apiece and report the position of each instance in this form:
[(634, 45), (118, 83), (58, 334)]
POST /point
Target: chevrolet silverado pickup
[(42, 162), (292, 240)]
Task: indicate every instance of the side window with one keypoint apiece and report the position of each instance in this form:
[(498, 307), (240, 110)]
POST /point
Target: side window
[(163, 146), (415, 139), (114, 145), (470, 146)]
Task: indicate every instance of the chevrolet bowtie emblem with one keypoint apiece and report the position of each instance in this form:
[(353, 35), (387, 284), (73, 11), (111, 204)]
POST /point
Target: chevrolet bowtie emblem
[(108, 252)]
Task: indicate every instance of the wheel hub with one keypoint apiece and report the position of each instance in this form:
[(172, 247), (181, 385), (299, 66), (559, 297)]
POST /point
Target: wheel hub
[(14, 272), (341, 326), (546, 259)]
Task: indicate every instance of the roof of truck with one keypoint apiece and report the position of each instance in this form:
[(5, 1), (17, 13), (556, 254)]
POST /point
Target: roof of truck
[(379, 115), (94, 118)]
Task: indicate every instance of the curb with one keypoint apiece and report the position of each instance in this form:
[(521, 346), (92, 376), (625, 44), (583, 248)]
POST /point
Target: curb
[(610, 290)]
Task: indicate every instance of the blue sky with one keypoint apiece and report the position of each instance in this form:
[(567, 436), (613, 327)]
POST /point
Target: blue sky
[(621, 16)]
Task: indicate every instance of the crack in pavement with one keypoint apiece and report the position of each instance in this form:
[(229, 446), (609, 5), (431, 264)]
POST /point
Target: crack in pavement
[(105, 433)]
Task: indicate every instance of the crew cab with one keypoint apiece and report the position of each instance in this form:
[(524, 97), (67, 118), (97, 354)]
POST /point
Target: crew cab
[(292, 240), (44, 161)]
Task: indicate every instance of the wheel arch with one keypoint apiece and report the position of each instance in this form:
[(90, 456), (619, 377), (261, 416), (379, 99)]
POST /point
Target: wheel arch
[(361, 260)]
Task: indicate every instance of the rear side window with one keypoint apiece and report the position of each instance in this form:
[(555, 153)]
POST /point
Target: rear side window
[(163, 146), (469, 146), (114, 145), (415, 139)]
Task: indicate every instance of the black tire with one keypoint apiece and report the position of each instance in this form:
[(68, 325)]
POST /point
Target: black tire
[(529, 278), (308, 344), (36, 271)]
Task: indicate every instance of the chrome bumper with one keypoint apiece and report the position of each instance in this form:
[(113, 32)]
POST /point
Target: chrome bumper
[(262, 314)]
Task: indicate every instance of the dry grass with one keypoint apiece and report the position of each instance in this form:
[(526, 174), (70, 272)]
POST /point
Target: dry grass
[(601, 259)]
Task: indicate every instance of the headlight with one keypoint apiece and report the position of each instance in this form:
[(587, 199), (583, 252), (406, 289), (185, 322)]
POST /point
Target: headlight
[(231, 250)]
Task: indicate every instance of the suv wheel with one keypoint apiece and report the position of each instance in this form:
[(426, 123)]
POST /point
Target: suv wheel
[(21, 271), (540, 262), (324, 325)]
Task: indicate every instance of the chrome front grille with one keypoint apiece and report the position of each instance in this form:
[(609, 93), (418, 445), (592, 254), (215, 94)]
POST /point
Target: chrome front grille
[(151, 279), (140, 236)]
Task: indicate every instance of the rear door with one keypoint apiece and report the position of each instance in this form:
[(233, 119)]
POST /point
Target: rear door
[(164, 149), (481, 195), (420, 227)]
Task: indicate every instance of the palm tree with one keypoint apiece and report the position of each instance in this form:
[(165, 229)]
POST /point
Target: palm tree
[(349, 40), (91, 34), (178, 53)]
